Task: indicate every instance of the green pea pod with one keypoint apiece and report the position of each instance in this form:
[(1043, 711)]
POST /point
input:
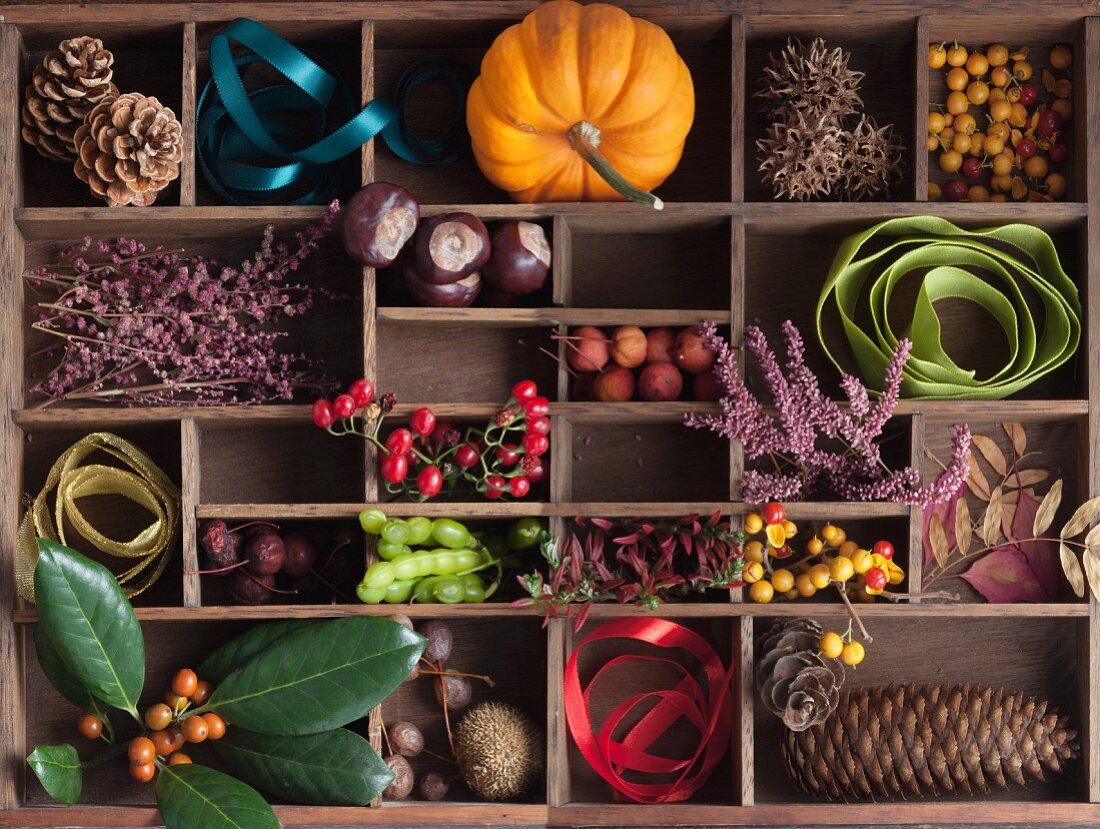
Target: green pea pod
[(380, 574), (415, 565), (370, 595), (449, 562), (424, 593), (400, 591), (449, 590), (396, 531), (420, 530), (389, 552), (450, 533), (372, 521), (473, 587)]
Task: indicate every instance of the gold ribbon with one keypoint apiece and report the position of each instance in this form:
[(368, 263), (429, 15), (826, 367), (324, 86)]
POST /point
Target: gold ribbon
[(146, 485)]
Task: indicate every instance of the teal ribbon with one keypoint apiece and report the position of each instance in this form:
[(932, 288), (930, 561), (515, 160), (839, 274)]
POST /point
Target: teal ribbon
[(237, 127)]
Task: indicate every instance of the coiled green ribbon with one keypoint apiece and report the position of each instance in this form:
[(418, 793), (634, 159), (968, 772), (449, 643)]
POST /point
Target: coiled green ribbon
[(235, 124), (948, 260)]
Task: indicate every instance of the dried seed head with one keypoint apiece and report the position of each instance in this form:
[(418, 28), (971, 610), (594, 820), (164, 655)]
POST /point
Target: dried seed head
[(499, 750), (812, 81)]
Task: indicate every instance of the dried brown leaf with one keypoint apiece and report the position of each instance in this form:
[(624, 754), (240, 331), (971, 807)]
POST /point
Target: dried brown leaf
[(1084, 516), (977, 481), (1048, 80), (1044, 516), (938, 539), (1017, 435), (992, 454), (1072, 568), (1008, 515), (964, 527), (991, 525), (1092, 540), (1092, 570), (1027, 477)]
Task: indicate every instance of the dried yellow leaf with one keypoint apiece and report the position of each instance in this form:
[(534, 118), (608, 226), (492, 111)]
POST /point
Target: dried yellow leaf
[(992, 453), (1085, 515), (991, 525), (1072, 568), (1044, 516), (938, 539), (1019, 189), (1092, 540), (1027, 477), (1048, 80), (976, 480), (1017, 435), (964, 527), (1092, 570)]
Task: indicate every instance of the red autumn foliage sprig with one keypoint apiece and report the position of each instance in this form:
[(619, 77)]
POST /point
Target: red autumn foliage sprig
[(430, 456), (634, 562)]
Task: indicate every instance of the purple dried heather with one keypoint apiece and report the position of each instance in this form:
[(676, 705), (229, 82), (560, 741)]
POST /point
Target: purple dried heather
[(852, 469), (141, 325)]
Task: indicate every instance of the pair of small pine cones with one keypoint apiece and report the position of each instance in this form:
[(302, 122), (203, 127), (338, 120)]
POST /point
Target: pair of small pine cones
[(127, 148)]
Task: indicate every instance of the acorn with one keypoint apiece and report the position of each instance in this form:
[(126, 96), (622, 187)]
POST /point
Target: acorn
[(499, 750), (406, 739), (403, 778), (440, 641)]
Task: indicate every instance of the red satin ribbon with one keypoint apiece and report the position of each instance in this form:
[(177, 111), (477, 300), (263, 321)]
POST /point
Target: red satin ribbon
[(710, 710)]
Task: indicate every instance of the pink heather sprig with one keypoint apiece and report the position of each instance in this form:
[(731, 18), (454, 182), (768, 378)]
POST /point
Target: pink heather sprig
[(814, 446), (143, 325)]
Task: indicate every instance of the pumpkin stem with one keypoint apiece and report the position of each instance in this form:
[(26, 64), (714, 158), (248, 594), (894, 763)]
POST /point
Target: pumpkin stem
[(585, 140)]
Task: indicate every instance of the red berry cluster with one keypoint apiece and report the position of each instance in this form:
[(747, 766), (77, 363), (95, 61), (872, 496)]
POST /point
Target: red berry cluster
[(420, 459)]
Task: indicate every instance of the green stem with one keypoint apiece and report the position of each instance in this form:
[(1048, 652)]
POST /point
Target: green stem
[(585, 140)]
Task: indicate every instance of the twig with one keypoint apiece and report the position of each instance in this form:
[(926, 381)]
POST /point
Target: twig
[(855, 616)]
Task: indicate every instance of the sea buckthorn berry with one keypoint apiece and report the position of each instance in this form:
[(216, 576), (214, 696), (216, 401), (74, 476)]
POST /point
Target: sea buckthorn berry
[(965, 124), (1021, 70), (847, 548), (829, 532), (934, 191), (90, 726), (791, 594), (996, 54), (773, 513), (1002, 164), (762, 592), (790, 529), (158, 717), (804, 586), (884, 549), (936, 122), (937, 55), (1056, 185), (1000, 110), (1000, 77), (993, 145), (141, 751), (1064, 107), (861, 561), (957, 104), (852, 654), (841, 569), (876, 579), (814, 546), (978, 92), (1018, 116), (195, 729), (977, 63), (754, 551), (951, 161), (978, 193), (839, 537), (753, 523), (782, 580), (956, 55), (961, 143), (830, 644), (179, 759), (143, 773), (957, 80), (933, 144), (752, 572), (819, 575), (215, 726), (184, 682), (202, 692)]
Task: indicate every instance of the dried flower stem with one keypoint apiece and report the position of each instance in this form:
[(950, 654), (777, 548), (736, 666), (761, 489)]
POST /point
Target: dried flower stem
[(855, 616)]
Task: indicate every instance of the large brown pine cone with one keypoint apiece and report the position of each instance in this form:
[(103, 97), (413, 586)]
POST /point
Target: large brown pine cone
[(887, 742), (129, 148), (63, 89), (794, 681)]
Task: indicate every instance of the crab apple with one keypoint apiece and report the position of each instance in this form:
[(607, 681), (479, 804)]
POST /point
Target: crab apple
[(587, 349), (628, 346), (614, 385), (660, 381), (660, 343), (691, 353), (705, 386)]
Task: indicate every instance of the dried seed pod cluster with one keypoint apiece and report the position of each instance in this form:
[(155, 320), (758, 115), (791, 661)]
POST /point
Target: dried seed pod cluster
[(819, 144)]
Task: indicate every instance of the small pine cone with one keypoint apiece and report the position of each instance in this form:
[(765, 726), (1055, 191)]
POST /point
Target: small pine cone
[(794, 682), (129, 148), (62, 91), (896, 741)]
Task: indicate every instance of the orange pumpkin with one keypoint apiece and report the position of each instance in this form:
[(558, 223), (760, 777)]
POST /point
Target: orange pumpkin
[(580, 103)]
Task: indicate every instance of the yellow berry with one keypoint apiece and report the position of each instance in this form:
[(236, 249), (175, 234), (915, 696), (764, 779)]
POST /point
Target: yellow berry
[(1064, 107), (777, 535), (999, 130), (830, 644), (998, 94), (957, 80), (1000, 77), (993, 145), (957, 103), (932, 144), (838, 537), (977, 64), (841, 569), (951, 161), (753, 523), (957, 55), (782, 580), (977, 142), (752, 572), (761, 592), (937, 55), (814, 546), (1019, 115), (961, 142), (829, 532), (1000, 183), (791, 594), (1056, 185), (1021, 70), (978, 92), (996, 54), (847, 548), (861, 559), (934, 191), (977, 193), (1036, 166), (754, 551), (1002, 164), (1063, 88), (852, 654), (936, 122), (998, 198), (1000, 110), (965, 123), (790, 528), (804, 586), (819, 576), (1060, 56)]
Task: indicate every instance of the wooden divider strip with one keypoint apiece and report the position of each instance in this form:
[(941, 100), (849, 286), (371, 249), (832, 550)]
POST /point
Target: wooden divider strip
[(920, 106), (915, 543), (188, 168), (191, 469)]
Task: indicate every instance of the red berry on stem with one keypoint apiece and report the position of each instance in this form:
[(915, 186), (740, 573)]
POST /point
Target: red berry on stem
[(399, 442), (773, 513), (429, 481), (1029, 94), (533, 468), (524, 390), (323, 416), (422, 421), (1058, 153), (537, 407), (876, 578), (539, 425), (508, 454), (1049, 123), (972, 168), (466, 456), (957, 189), (362, 392), (494, 486), (1026, 148), (395, 468), (519, 486), (343, 406), (440, 430), (884, 549), (535, 444)]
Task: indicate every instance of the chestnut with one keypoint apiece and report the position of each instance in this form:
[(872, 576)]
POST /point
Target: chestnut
[(449, 247), (520, 258), (378, 221), (460, 294)]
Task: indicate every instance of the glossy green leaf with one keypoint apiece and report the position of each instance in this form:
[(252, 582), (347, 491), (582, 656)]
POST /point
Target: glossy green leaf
[(191, 796), (334, 768), (222, 662), (91, 624), (61, 677), (59, 771), (320, 677)]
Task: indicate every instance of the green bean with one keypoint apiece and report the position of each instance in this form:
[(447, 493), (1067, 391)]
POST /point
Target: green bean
[(389, 552), (379, 575), (396, 531), (399, 592), (438, 562), (424, 591), (370, 595), (449, 590), (450, 533), (372, 521), (420, 530), (473, 587)]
